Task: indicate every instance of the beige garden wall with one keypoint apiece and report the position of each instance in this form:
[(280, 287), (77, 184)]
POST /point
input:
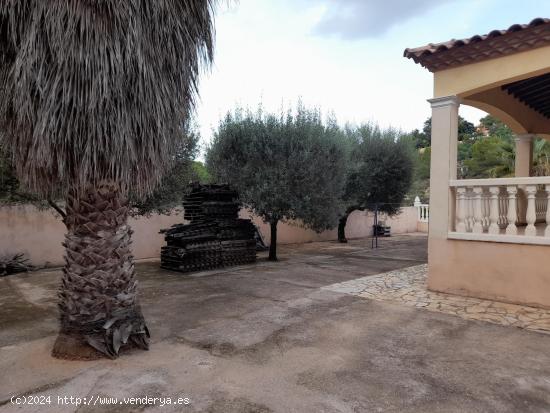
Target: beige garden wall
[(359, 225), (39, 233)]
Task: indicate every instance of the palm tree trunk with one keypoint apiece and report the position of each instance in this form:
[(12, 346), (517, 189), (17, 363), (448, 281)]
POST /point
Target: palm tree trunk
[(273, 243), (98, 306)]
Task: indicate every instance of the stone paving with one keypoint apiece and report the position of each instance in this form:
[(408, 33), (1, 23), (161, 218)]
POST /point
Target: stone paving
[(265, 338), (408, 286)]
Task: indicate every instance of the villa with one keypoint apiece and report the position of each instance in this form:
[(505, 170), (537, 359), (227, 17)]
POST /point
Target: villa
[(490, 238)]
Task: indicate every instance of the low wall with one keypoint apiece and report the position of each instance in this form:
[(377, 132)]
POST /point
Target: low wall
[(422, 226), (513, 273), (39, 233), (359, 225)]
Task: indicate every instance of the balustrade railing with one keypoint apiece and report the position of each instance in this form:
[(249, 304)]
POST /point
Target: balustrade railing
[(423, 210), (423, 213), (502, 210)]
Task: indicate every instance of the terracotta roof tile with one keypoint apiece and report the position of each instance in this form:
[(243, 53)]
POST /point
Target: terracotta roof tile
[(517, 38)]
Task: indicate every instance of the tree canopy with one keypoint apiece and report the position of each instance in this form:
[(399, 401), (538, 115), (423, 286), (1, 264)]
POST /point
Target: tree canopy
[(286, 167), (490, 157), (380, 170), (10, 191), (486, 151), (171, 189), (168, 194), (423, 138)]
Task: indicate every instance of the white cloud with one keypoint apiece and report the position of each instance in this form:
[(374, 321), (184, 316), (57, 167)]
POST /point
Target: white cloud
[(356, 19), (267, 52)]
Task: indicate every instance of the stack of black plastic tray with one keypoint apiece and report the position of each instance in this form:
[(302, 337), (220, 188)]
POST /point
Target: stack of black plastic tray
[(215, 237)]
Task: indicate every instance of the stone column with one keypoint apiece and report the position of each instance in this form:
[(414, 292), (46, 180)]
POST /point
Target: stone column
[(443, 165), (524, 155)]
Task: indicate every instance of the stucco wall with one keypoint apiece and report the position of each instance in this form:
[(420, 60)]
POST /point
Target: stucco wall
[(359, 225), (39, 234), (512, 273), (422, 226)]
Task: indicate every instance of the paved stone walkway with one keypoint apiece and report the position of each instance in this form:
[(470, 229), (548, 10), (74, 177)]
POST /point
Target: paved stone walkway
[(408, 286)]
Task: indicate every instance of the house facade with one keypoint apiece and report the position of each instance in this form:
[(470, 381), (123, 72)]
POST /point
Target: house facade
[(490, 238)]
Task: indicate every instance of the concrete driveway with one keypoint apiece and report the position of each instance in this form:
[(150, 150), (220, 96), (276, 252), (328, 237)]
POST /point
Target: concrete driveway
[(267, 338)]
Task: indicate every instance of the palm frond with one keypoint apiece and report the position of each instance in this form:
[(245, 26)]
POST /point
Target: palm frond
[(94, 90)]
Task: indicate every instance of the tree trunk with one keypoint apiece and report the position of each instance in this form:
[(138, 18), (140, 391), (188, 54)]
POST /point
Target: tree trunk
[(342, 228), (99, 311), (273, 244)]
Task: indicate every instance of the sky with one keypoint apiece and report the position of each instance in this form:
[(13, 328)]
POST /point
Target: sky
[(343, 56)]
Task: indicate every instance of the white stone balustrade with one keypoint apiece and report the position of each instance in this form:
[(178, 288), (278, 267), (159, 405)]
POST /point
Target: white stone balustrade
[(514, 210), (423, 210)]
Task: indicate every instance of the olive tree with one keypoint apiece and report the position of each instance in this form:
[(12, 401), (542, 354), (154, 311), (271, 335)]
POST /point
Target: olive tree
[(285, 167), (379, 175)]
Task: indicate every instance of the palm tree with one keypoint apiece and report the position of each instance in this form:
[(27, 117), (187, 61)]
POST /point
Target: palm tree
[(93, 97), (541, 157)]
